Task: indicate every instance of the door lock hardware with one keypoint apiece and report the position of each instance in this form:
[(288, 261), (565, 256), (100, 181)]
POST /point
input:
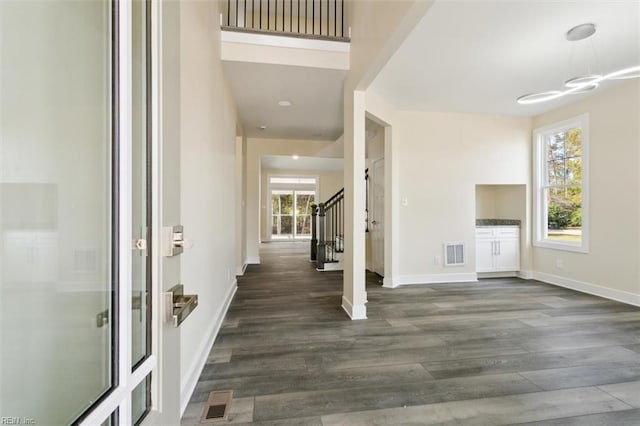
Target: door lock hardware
[(173, 242), (178, 306), (102, 318)]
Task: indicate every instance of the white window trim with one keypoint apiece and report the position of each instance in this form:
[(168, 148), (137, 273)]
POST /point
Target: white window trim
[(539, 207)]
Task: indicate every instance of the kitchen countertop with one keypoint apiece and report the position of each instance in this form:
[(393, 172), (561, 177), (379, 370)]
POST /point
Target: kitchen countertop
[(497, 222)]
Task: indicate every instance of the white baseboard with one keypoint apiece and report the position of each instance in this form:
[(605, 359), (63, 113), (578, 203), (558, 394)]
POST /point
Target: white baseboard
[(390, 282), (332, 266), (497, 274), (240, 270), (589, 288), (358, 312), (464, 277), (253, 260), (525, 275), (195, 370)]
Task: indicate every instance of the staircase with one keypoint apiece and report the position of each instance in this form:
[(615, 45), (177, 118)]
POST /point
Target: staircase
[(327, 230), (327, 233)]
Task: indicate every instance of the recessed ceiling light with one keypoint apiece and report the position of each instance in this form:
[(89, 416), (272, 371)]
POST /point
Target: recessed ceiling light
[(284, 103), (295, 157), (263, 127)]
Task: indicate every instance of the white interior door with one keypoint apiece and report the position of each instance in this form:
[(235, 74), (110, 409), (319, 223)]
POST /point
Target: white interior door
[(376, 227)]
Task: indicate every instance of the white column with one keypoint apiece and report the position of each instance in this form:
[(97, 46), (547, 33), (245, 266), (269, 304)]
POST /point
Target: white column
[(354, 296)]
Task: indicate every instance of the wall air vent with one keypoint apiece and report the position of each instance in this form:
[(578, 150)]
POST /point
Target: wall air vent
[(454, 254)]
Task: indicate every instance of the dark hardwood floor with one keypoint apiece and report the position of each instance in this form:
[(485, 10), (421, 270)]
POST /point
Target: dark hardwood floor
[(496, 352)]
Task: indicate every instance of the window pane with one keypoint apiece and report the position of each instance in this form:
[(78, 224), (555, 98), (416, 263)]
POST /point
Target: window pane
[(564, 214), (57, 326), (293, 180), (141, 401), (286, 204), (287, 225), (140, 259), (303, 202), (303, 225), (564, 192)]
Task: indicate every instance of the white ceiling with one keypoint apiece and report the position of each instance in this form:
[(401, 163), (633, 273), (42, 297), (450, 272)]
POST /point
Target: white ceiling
[(479, 56), (303, 163), (316, 96)]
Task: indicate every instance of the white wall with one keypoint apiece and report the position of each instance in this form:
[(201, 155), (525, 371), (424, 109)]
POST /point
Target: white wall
[(378, 28), (256, 149), (329, 183), (442, 157), (611, 266), (208, 183)]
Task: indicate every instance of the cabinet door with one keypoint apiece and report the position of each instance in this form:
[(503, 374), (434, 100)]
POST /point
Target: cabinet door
[(484, 255), (508, 255)]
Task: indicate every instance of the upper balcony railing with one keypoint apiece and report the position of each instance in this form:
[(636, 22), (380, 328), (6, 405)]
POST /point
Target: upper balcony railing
[(300, 18)]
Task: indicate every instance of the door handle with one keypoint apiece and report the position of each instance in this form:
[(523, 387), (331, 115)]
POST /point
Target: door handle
[(178, 306)]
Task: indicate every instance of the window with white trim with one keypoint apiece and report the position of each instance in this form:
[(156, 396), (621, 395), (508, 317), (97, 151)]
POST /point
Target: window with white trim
[(561, 209)]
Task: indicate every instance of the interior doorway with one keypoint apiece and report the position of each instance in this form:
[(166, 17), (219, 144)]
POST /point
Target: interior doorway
[(290, 207), (376, 227)]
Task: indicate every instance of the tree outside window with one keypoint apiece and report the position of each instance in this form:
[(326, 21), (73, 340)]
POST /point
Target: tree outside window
[(561, 193)]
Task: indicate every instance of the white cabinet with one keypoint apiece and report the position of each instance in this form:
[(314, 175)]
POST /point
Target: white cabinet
[(498, 249)]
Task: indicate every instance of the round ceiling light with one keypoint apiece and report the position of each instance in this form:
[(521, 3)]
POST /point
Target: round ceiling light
[(295, 157), (534, 98), (580, 32), (633, 72), (284, 103), (584, 89), (263, 127), (582, 80)]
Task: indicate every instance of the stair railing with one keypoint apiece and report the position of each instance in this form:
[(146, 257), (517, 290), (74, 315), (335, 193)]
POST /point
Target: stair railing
[(329, 230), (310, 18)]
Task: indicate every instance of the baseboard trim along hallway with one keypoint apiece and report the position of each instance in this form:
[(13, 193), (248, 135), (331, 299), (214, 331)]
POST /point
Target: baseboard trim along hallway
[(196, 368)]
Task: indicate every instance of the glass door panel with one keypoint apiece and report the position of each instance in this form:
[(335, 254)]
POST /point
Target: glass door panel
[(57, 327), (141, 220), (282, 214), (304, 200)]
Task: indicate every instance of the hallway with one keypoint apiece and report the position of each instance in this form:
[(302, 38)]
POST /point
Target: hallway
[(501, 351)]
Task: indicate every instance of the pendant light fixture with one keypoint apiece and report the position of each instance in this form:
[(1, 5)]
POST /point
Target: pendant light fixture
[(588, 80)]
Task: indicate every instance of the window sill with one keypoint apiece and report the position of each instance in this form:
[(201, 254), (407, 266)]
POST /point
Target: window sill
[(556, 245)]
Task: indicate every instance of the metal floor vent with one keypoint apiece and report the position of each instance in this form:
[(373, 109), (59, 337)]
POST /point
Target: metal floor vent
[(217, 407)]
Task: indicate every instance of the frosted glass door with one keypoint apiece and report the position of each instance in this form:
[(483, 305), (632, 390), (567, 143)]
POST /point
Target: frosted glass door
[(57, 287)]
